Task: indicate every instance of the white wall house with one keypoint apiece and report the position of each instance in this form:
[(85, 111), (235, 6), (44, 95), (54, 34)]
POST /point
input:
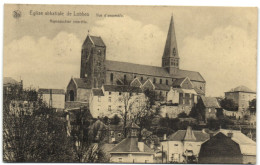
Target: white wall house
[(130, 150), (53, 97), (112, 99), (182, 144), (182, 101)]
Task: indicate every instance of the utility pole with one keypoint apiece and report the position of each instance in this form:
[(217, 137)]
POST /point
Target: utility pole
[(162, 154)]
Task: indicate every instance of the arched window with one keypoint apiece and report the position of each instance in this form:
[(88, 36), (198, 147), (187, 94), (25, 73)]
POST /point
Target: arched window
[(71, 94), (142, 78), (160, 81), (166, 82)]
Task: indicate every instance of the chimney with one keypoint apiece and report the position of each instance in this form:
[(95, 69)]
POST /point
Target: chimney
[(230, 134), (164, 137), (141, 146)]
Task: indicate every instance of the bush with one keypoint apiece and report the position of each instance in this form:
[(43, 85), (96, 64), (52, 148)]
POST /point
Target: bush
[(182, 115), (229, 104)]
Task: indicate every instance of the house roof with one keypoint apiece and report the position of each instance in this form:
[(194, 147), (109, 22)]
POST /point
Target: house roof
[(107, 147), (210, 102), (122, 88), (97, 41), (151, 70), (9, 81), (177, 82), (162, 87), (247, 145), (82, 83), (53, 91), (199, 91), (181, 134), (242, 88), (129, 145), (97, 92)]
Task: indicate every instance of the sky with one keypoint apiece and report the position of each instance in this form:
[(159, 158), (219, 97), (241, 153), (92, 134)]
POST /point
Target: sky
[(218, 42)]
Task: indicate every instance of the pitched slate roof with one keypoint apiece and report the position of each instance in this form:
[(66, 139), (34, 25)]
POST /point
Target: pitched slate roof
[(162, 87), (9, 81), (199, 91), (180, 136), (122, 88), (97, 41), (177, 82), (247, 145), (151, 70), (97, 92), (82, 83), (53, 91), (238, 136), (242, 88), (129, 145), (210, 102)]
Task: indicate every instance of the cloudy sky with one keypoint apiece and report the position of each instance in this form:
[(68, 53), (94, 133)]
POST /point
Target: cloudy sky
[(218, 42)]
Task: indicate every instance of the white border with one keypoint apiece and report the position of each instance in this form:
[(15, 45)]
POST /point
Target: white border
[(230, 3)]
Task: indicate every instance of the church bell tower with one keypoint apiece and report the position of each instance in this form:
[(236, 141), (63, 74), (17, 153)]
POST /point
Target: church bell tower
[(171, 59), (93, 56)]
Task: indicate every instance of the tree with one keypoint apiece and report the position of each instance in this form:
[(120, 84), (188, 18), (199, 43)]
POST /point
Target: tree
[(149, 138), (229, 104), (252, 106), (87, 138), (151, 97), (182, 115), (215, 124), (132, 101), (33, 137), (115, 120)]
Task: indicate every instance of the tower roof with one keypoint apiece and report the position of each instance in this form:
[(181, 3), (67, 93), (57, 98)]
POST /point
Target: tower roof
[(95, 40), (171, 49), (189, 136), (242, 88)]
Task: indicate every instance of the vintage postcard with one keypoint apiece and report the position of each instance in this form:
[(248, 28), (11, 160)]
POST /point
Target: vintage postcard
[(129, 84)]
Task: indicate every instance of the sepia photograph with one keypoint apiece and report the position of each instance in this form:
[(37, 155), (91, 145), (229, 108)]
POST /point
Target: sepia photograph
[(129, 84)]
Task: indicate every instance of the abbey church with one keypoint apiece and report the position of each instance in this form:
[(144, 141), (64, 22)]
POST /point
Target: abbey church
[(97, 73)]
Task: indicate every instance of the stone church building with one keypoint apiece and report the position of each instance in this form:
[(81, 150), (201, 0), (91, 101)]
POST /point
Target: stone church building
[(96, 71)]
